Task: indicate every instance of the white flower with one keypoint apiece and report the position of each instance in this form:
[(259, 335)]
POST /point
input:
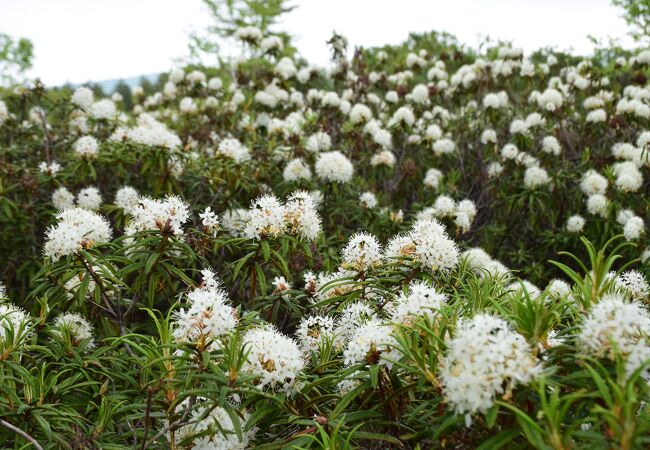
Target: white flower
[(485, 359), (634, 228), (265, 218), (427, 243), (481, 263), (274, 358), (86, 147), (13, 320), (535, 177), (628, 177), (103, 109), (443, 146), (89, 198), (597, 204), (79, 328), (558, 288), (211, 428), (301, 217), (248, 34), (362, 252), (313, 331), (127, 198), (444, 206), (234, 149), (551, 145), (208, 315), (50, 169), (83, 97), (4, 112), (168, 214), (550, 100), (494, 169), (509, 151), (383, 158), (209, 221), (575, 224), (614, 325), (596, 116), (432, 178), (76, 228), (372, 343), (335, 167), (422, 300), (420, 94), (368, 200), (404, 115), (286, 68), (489, 136), (360, 113), (318, 142), (593, 183), (633, 283), (62, 198), (296, 169)]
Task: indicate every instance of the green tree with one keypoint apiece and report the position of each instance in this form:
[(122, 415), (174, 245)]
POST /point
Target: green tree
[(230, 15), (15, 57), (637, 16)]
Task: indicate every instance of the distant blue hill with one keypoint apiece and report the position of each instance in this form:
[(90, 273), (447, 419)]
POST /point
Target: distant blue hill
[(108, 86)]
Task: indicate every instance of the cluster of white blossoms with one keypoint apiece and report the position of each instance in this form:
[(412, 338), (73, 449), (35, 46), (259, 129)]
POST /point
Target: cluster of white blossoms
[(633, 284), (167, 215), (613, 326), (485, 359), (127, 198), (427, 243), (313, 331), (301, 216), (372, 343), (463, 212), (86, 147), (575, 224), (149, 132), (362, 253), (421, 300), (275, 359), (481, 263), (208, 315), (14, 324), (76, 229), (210, 427), (78, 328), (269, 217), (334, 166), (232, 148)]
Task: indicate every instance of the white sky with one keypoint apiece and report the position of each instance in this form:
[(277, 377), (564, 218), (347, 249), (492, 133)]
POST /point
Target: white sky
[(82, 40)]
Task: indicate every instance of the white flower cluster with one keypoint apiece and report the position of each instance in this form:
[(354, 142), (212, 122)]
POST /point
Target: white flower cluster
[(485, 359), (273, 357), (14, 324), (334, 167), (614, 325), (208, 315), (372, 343), (268, 217), (79, 329), (421, 300), (211, 428), (169, 214), (76, 228), (426, 243)]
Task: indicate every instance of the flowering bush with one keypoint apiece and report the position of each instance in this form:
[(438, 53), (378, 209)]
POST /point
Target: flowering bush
[(279, 256)]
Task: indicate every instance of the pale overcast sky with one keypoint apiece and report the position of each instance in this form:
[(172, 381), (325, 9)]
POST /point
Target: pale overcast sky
[(81, 40)]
